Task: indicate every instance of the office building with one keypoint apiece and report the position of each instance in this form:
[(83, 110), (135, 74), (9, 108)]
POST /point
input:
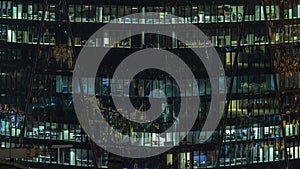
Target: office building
[(257, 42)]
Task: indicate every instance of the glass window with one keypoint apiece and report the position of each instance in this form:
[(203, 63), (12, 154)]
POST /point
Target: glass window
[(149, 19), (160, 11), (8, 9), (121, 13), (207, 13), (37, 11), (3, 9), (92, 14), (19, 35), (180, 14), (188, 13), (78, 13), (114, 13), (52, 12), (88, 13), (3, 33), (99, 16), (30, 11), (85, 13), (71, 13), (127, 12), (106, 14), (195, 17), (14, 11), (19, 15), (134, 10)]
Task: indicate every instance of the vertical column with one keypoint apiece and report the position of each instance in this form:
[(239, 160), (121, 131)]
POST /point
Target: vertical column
[(261, 155), (100, 14), (292, 129), (174, 40), (262, 16), (254, 152), (169, 137), (298, 10), (1, 7), (287, 129), (29, 9), (143, 39), (261, 132), (25, 36), (271, 153), (9, 34), (58, 155), (14, 12), (72, 157), (182, 160), (141, 136), (106, 39), (63, 157), (296, 152), (142, 20), (19, 11), (14, 36), (158, 40), (296, 128), (266, 153)]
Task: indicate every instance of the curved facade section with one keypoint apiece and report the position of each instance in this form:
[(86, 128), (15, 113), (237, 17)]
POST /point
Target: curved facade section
[(37, 112)]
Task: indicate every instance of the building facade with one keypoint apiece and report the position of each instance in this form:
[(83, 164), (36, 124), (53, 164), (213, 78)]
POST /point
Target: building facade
[(257, 42)]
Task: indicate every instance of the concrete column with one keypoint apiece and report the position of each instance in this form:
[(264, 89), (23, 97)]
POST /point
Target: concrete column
[(143, 14), (261, 154), (19, 11), (25, 37), (271, 153), (173, 13), (141, 137), (14, 12), (296, 155), (143, 39), (72, 157), (100, 14), (58, 155), (174, 40)]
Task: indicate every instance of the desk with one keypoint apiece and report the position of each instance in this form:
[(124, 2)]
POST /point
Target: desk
[(84, 161), (239, 160), (46, 158)]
